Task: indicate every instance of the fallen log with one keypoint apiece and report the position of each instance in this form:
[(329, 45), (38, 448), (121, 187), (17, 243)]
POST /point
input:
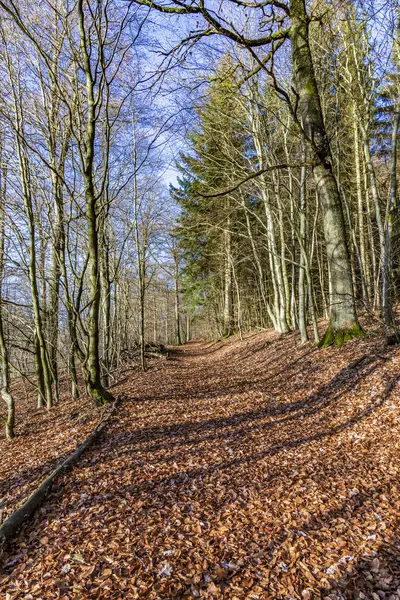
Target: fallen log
[(151, 350), (15, 521)]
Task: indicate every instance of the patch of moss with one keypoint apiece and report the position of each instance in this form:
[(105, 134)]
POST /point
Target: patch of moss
[(101, 396), (340, 336)]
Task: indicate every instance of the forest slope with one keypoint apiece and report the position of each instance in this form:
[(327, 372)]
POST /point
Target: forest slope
[(255, 469)]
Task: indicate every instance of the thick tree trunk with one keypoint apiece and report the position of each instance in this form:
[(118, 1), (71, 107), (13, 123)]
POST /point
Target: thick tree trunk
[(94, 385), (343, 323)]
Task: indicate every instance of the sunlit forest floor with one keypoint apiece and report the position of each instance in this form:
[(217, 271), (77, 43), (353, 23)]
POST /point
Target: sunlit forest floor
[(244, 469)]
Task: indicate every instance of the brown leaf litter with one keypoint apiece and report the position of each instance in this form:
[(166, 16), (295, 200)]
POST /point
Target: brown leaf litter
[(256, 469)]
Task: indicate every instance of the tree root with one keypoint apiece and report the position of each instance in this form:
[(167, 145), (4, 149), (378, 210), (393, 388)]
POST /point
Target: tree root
[(101, 396), (338, 337)]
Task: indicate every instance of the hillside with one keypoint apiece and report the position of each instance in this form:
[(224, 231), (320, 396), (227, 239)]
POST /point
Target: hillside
[(254, 469)]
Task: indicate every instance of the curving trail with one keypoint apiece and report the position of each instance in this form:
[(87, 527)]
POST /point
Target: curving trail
[(254, 469)]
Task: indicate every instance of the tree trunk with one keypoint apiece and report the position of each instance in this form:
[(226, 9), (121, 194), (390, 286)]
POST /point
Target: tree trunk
[(4, 364), (302, 288), (387, 310), (228, 325), (177, 303), (343, 323), (95, 387), (360, 206)]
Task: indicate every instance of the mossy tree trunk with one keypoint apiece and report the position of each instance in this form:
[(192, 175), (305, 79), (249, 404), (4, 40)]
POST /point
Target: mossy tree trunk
[(93, 369), (343, 323)]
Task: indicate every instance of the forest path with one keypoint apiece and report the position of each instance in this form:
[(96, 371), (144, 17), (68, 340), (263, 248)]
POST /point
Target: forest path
[(254, 469)]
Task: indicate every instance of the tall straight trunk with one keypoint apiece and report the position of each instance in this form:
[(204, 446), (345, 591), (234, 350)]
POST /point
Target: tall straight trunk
[(54, 135), (155, 333), (293, 298), (275, 265), (238, 302), (283, 275), (72, 312), (41, 394), (343, 323), (4, 362), (141, 250), (302, 288), (177, 302), (94, 385), (372, 276), (280, 323), (355, 248), (5, 382), (387, 309), (309, 257), (188, 327), (360, 205), (228, 325), (277, 279), (142, 341), (41, 344), (106, 291), (56, 256), (166, 315), (54, 285), (378, 213)]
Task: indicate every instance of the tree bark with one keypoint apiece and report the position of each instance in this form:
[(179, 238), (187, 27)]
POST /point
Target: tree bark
[(228, 325), (343, 323), (302, 287), (95, 387), (4, 363)]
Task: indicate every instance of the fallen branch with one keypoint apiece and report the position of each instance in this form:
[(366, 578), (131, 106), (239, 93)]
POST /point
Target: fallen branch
[(214, 343), (151, 350), (14, 522)]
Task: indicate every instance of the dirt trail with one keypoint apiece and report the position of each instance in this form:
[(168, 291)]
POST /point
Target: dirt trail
[(254, 469)]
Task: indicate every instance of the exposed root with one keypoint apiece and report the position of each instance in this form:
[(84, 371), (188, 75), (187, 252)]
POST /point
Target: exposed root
[(337, 337)]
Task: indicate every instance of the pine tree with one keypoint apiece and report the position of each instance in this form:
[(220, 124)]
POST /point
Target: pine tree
[(208, 230)]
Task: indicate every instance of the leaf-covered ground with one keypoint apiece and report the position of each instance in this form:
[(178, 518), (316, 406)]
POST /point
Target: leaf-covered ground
[(254, 469), (43, 440)]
